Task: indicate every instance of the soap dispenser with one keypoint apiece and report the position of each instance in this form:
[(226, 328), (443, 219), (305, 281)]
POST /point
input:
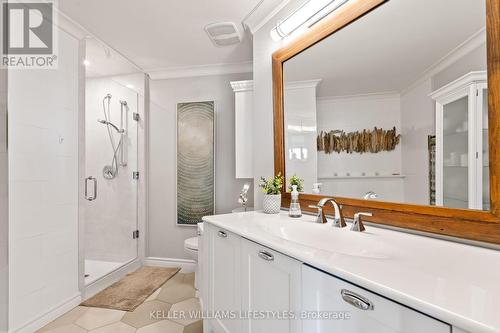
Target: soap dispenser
[(294, 210)]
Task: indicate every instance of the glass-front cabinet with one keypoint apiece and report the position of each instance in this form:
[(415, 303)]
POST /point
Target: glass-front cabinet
[(462, 163)]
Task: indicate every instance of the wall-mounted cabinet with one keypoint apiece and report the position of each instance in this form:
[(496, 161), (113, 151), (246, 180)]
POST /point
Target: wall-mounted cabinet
[(243, 130), (462, 162)]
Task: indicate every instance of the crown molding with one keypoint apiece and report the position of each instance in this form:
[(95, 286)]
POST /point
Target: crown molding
[(302, 84), (263, 13), (359, 97), (201, 70), (469, 45), (240, 86), (461, 82)]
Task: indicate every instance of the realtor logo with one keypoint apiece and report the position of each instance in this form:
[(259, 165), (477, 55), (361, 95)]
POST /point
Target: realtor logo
[(28, 31)]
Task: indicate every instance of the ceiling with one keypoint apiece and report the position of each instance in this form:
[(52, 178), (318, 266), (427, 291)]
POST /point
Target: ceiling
[(388, 49), (164, 34)]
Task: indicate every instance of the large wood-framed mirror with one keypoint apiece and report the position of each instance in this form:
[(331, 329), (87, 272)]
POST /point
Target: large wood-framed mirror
[(392, 107)]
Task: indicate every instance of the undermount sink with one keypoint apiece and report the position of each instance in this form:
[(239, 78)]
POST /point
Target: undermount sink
[(326, 237)]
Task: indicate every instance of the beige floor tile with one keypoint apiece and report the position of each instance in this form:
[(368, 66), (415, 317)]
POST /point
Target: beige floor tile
[(165, 326), (153, 296), (186, 312), (142, 316), (196, 327), (118, 327), (189, 279), (68, 318), (176, 293), (174, 280), (72, 328), (96, 317)]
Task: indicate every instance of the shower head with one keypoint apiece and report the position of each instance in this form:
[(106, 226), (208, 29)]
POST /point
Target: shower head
[(108, 96), (108, 123), (123, 103)]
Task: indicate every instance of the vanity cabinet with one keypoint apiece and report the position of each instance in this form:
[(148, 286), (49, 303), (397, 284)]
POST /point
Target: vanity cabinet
[(251, 288), (462, 163), (356, 310), (270, 282)]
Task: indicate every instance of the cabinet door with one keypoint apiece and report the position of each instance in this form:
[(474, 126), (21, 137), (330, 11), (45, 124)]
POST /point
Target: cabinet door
[(355, 310), (270, 282), (224, 277)]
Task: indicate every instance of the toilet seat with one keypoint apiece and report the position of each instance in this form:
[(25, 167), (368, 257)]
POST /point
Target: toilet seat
[(191, 243)]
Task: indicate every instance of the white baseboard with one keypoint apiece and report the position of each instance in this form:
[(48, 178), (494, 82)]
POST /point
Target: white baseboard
[(186, 265), (49, 316), (106, 281)]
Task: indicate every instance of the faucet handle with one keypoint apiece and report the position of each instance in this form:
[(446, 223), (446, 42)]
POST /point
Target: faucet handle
[(357, 224), (320, 217)]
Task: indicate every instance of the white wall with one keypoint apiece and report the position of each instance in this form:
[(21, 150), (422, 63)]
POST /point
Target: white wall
[(476, 60), (165, 238), (112, 217), (43, 186), (418, 122), (355, 114), (4, 217), (263, 48)]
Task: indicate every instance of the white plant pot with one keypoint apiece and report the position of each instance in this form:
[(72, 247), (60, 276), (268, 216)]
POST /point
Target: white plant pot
[(271, 203)]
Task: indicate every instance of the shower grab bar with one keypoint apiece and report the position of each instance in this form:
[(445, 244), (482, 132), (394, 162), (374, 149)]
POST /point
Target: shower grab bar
[(94, 196)]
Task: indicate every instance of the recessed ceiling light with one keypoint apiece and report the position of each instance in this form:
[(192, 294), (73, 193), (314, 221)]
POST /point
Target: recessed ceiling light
[(130, 86), (86, 62)]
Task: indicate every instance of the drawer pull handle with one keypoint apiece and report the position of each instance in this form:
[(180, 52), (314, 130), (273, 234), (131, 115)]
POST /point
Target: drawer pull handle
[(222, 234), (356, 300), (266, 255)]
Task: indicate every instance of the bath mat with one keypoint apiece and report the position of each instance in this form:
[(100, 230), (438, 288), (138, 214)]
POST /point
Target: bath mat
[(131, 291)]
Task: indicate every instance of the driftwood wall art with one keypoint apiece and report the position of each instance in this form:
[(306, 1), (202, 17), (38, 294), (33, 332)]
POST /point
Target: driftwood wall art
[(367, 141)]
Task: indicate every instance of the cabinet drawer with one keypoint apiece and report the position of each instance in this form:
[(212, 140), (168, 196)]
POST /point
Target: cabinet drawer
[(364, 311)]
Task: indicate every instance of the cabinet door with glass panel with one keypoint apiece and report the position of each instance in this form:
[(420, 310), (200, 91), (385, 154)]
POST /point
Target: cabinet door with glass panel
[(462, 173)]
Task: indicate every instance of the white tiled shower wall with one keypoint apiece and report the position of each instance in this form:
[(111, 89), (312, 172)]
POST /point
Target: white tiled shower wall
[(43, 186)]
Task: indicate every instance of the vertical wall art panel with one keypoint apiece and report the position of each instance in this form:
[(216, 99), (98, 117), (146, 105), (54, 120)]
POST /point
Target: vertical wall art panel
[(195, 161)]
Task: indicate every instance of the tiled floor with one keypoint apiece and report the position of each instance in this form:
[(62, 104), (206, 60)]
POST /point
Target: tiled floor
[(171, 309)]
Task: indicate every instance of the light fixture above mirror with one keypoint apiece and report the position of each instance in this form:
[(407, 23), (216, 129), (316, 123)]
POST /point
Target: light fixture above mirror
[(305, 17)]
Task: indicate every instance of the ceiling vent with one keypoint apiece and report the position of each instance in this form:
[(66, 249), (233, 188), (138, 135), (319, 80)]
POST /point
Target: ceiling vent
[(223, 33)]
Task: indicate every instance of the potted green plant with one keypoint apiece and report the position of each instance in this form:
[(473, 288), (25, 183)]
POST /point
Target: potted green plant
[(272, 193), (296, 180)]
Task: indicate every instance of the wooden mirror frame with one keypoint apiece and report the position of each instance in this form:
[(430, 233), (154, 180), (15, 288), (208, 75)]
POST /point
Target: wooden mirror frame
[(469, 224)]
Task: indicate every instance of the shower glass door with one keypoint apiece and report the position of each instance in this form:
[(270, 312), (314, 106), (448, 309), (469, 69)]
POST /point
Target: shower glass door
[(111, 161)]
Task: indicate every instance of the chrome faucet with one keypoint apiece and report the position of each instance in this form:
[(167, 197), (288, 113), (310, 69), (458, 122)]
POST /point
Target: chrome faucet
[(357, 224), (370, 195), (338, 220)]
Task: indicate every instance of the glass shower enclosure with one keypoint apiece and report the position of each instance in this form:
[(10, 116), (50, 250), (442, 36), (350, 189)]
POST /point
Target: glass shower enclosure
[(111, 164)]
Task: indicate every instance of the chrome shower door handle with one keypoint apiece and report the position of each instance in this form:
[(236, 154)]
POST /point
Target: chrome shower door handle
[(94, 195)]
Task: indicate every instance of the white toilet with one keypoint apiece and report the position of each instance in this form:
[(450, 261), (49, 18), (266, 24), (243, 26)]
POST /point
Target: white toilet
[(191, 246)]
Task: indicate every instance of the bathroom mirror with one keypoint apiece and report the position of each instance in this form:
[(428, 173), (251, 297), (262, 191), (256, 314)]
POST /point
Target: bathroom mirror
[(389, 105)]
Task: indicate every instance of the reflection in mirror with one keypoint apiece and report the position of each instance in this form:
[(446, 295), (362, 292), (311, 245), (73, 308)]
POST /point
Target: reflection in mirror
[(390, 108)]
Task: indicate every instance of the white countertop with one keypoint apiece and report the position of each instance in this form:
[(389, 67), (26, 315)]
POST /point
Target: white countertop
[(456, 283)]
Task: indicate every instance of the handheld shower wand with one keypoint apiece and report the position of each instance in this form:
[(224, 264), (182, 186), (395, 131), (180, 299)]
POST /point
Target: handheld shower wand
[(105, 122)]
